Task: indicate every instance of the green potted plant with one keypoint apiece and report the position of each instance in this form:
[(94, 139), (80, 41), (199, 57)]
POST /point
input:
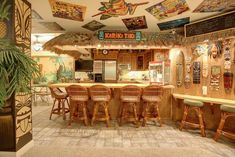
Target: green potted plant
[(16, 71), (4, 16)]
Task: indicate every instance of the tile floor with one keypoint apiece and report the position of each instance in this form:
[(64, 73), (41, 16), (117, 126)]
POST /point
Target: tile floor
[(56, 132)]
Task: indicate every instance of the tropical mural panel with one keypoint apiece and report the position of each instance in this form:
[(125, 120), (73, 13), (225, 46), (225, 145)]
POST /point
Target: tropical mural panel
[(215, 6), (67, 10), (93, 25), (116, 8), (168, 8), (135, 23), (54, 69)]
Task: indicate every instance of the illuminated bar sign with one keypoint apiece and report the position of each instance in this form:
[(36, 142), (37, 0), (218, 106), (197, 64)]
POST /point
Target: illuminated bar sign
[(108, 35)]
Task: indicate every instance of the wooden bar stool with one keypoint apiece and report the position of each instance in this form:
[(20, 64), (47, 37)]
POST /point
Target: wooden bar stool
[(78, 97), (60, 97), (130, 96), (197, 107), (101, 96), (152, 98), (226, 111)]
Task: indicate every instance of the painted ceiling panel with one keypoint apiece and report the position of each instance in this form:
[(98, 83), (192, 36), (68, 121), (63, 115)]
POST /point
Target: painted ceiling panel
[(78, 13)]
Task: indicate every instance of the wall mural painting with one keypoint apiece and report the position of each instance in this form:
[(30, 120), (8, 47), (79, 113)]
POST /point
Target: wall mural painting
[(215, 6), (168, 8), (115, 8), (135, 23), (23, 25), (53, 26), (23, 119), (67, 10), (173, 24), (54, 69), (93, 25)]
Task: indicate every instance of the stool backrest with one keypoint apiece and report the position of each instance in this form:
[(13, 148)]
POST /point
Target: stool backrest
[(153, 90), (76, 90), (99, 90), (131, 90), (55, 92)]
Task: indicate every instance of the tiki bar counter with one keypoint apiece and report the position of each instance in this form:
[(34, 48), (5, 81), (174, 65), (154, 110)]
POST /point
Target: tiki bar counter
[(117, 78)]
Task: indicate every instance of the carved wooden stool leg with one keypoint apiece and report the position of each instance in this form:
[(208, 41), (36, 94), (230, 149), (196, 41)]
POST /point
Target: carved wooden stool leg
[(94, 113), (135, 115), (71, 114), (52, 110), (122, 114), (158, 115), (85, 113), (184, 117), (68, 103), (200, 116), (144, 113), (220, 128), (59, 106), (63, 109), (106, 114)]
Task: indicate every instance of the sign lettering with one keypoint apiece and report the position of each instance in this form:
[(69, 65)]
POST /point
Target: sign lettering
[(106, 35)]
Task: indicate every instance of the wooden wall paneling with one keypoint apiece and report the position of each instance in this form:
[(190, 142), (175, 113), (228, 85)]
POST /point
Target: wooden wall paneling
[(133, 61), (212, 119), (147, 59), (112, 55)]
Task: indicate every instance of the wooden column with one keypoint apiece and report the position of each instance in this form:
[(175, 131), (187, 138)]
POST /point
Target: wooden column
[(16, 116)]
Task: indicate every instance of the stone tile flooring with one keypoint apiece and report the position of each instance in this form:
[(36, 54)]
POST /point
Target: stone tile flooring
[(56, 132)]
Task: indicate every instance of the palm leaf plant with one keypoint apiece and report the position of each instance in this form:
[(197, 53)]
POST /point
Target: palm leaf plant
[(4, 11), (4, 16), (16, 70)]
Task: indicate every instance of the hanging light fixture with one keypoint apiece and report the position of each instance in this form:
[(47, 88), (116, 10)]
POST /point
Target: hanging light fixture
[(37, 46)]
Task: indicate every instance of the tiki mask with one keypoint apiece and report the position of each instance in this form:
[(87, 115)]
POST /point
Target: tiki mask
[(228, 82), (227, 65), (199, 50), (205, 66), (179, 69), (23, 115), (215, 77), (196, 72), (214, 51), (227, 55), (187, 79), (188, 64)]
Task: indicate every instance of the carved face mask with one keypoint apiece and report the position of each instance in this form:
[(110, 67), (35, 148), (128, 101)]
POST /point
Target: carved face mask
[(227, 65), (196, 72), (227, 55), (214, 51)]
